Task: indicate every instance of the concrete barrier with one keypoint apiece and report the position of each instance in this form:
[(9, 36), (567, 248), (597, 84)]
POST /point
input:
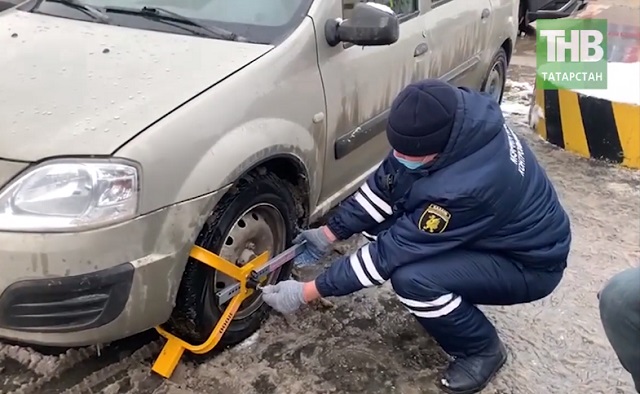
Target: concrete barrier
[(598, 124)]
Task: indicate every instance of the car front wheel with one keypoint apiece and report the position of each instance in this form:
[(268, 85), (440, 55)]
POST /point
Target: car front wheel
[(258, 215), (496, 77)]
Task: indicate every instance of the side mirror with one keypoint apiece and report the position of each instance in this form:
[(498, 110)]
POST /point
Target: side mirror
[(370, 24)]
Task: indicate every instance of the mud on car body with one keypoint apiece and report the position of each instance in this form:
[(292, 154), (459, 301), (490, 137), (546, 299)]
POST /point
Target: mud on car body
[(130, 131)]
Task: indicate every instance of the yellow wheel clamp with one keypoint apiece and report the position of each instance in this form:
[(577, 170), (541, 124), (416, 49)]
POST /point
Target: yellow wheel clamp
[(249, 278)]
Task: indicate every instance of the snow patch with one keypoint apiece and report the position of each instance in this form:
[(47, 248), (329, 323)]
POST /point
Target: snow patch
[(252, 340), (517, 98), (515, 108), (536, 114), (518, 86)]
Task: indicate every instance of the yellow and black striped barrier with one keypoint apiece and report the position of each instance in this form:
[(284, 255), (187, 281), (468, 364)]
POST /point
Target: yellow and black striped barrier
[(589, 126)]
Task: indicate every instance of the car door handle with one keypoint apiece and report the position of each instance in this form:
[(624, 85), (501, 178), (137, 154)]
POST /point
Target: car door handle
[(485, 13), (420, 50)]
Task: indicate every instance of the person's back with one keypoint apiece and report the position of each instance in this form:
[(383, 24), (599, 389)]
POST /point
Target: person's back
[(487, 162), (538, 234)]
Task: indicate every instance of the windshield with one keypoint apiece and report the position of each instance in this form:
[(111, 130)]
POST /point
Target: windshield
[(261, 21)]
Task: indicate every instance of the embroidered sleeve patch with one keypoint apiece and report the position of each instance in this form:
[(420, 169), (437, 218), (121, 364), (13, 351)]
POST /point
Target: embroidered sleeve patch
[(434, 219)]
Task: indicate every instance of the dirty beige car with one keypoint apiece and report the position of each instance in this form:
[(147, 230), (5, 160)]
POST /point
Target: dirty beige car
[(130, 130)]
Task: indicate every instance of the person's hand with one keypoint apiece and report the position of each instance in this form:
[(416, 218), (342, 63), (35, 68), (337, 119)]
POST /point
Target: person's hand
[(285, 297), (318, 245)]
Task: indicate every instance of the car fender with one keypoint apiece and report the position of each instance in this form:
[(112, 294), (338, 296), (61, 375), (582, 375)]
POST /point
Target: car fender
[(244, 148), (174, 172), (504, 26)]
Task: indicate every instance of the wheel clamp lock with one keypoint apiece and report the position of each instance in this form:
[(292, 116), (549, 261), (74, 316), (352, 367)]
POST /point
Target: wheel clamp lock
[(249, 278)]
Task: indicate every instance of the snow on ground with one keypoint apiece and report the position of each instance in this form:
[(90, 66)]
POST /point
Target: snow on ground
[(624, 84), (517, 99)]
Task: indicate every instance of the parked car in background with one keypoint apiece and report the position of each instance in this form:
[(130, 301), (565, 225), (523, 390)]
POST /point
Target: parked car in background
[(532, 10), (132, 129)]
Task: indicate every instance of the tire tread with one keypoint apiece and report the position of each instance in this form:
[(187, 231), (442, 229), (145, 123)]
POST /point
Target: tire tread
[(186, 319)]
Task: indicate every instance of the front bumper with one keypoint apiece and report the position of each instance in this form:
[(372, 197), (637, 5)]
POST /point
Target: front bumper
[(76, 289), (67, 304)]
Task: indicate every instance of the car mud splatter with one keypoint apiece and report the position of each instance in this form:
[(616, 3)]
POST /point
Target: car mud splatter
[(367, 343)]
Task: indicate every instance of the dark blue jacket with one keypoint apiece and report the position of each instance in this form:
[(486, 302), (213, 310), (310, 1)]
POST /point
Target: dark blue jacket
[(485, 192)]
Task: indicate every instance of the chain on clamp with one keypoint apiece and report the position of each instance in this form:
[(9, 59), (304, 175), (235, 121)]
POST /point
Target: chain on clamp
[(248, 277)]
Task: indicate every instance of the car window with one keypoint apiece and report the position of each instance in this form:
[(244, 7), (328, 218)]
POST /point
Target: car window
[(400, 7), (248, 12), (262, 21)]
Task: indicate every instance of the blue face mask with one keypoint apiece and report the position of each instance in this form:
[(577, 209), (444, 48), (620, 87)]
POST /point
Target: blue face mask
[(412, 165)]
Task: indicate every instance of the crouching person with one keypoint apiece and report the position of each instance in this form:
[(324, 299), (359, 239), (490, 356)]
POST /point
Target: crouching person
[(468, 218)]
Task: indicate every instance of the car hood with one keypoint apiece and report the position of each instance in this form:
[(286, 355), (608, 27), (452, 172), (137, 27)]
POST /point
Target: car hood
[(69, 87), (9, 169)]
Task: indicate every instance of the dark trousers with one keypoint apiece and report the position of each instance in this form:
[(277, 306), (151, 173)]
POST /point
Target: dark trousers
[(442, 293), (620, 315)]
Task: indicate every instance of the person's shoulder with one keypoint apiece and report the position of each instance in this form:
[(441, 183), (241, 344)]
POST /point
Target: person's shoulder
[(461, 184), (445, 188)]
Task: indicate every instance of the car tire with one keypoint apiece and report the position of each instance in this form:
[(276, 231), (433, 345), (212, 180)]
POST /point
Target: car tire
[(496, 77), (256, 203)]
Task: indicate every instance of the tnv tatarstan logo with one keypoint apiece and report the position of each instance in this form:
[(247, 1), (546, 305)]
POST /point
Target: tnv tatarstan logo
[(571, 53)]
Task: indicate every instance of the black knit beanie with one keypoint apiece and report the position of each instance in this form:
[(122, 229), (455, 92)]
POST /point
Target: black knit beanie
[(421, 118)]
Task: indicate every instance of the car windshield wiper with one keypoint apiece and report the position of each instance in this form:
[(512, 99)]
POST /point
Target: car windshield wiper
[(165, 16), (87, 9)]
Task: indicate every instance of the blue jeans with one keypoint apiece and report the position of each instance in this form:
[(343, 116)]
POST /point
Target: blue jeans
[(620, 315)]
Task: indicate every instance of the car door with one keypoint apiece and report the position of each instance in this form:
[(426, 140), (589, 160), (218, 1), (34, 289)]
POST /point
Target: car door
[(360, 84), (458, 33)]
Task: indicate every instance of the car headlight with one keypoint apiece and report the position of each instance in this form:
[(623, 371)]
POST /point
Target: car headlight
[(70, 195)]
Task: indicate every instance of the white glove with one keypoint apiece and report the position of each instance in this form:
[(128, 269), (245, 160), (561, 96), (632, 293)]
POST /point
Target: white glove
[(285, 297)]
